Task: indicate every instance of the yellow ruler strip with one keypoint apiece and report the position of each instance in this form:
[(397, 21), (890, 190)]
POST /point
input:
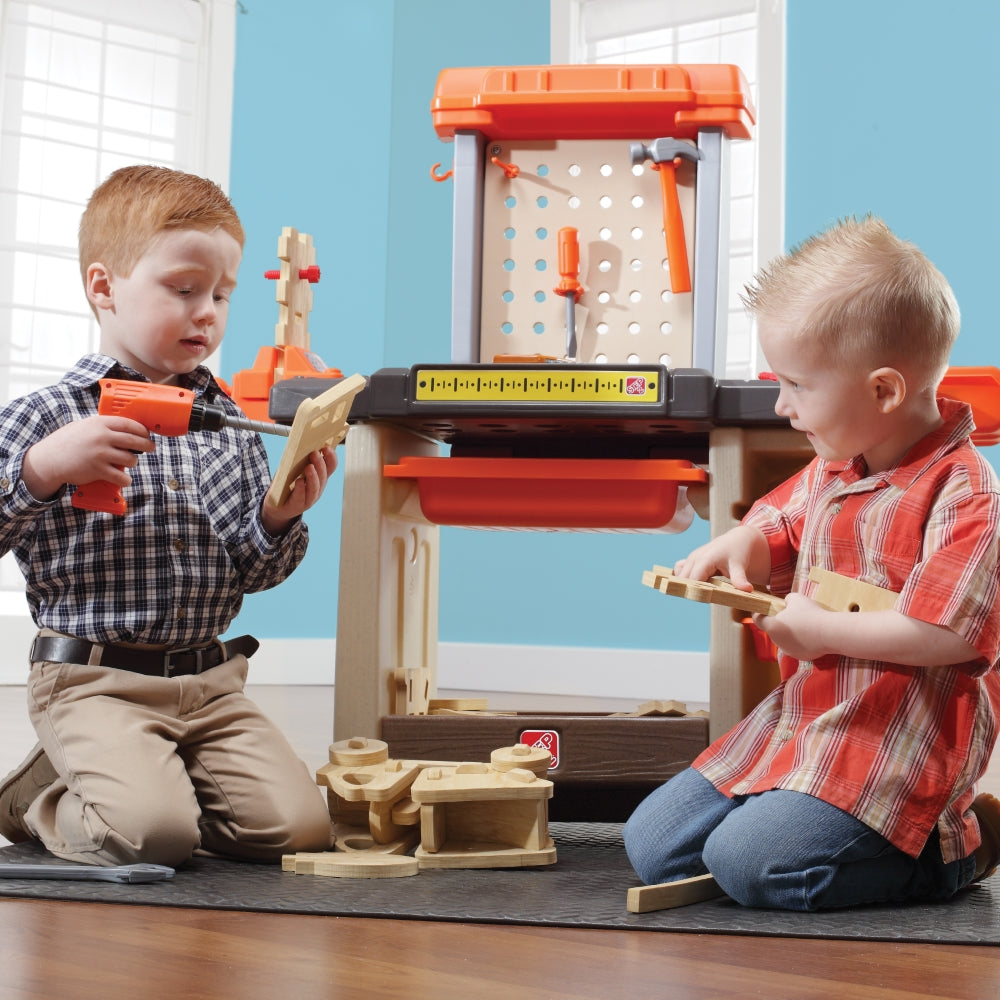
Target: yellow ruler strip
[(471, 385)]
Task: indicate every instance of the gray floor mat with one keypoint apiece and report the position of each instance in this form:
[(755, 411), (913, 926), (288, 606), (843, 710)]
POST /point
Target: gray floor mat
[(586, 888)]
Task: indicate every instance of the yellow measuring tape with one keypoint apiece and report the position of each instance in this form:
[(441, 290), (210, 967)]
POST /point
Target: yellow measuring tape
[(538, 385)]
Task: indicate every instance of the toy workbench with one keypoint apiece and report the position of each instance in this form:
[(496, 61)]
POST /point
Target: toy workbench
[(585, 391)]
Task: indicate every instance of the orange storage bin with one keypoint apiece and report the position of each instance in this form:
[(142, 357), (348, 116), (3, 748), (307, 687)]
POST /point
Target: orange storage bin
[(980, 388), (552, 492)]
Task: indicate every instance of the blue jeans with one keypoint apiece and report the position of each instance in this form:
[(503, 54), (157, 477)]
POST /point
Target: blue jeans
[(779, 849)]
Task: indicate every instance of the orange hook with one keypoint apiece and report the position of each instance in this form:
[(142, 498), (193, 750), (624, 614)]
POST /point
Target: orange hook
[(435, 176), (509, 169)]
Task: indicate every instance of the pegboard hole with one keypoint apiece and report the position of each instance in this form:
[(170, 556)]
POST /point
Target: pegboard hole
[(601, 359), (604, 265), (509, 233), (508, 265), (540, 296), (510, 201), (602, 329), (666, 328), (541, 201), (539, 328), (543, 170), (637, 169), (508, 296), (635, 264), (666, 295), (632, 359), (637, 201), (635, 295), (605, 201), (507, 328), (574, 202), (540, 264), (605, 233), (636, 233), (574, 170), (541, 233), (604, 298), (666, 360), (634, 329), (607, 170)]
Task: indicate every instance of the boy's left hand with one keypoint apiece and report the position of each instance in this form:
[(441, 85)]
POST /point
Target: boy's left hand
[(799, 629), (306, 490)]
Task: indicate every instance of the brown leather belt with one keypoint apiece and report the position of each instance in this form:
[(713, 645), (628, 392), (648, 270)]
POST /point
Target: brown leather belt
[(153, 663)]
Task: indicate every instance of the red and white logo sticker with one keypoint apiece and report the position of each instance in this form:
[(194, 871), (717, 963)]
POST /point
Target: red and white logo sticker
[(635, 385), (548, 739)]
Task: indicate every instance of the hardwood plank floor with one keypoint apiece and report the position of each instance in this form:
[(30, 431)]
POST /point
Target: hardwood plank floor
[(56, 949)]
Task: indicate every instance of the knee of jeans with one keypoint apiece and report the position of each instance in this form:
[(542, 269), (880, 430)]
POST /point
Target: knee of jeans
[(739, 866)]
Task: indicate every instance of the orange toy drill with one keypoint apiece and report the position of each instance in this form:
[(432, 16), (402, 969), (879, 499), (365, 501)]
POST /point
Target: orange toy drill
[(161, 409)]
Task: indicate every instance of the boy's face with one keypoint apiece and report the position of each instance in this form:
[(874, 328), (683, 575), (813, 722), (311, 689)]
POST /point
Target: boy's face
[(170, 313), (836, 406)]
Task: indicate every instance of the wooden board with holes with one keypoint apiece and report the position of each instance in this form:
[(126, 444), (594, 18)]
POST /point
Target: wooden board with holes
[(335, 865), (318, 422), (841, 593), (717, 590)]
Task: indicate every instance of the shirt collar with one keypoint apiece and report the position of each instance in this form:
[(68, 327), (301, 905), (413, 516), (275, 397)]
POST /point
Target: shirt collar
[(91, 368), (956, 427)]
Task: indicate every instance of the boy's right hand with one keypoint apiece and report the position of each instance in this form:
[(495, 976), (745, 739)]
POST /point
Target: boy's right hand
[(83, 451), (741, 554)]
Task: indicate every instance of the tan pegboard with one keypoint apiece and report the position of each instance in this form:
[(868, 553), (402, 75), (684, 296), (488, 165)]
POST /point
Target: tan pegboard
[(627, 313)]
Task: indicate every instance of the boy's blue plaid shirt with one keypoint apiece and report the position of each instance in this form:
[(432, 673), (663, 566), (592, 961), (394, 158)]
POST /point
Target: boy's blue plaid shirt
[(175, 568)]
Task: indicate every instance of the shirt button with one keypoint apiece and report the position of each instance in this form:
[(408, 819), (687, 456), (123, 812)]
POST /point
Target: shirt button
[(180, 613), (784, 735), (837, 508), (4, 483), (173, 485), (179, 545)]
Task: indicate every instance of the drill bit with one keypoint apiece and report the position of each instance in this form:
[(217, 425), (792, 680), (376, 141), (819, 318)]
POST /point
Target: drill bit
[(260, 426), (212, 417)]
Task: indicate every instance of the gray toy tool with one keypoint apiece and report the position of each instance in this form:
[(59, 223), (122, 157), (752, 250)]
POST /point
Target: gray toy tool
[(90, 873)]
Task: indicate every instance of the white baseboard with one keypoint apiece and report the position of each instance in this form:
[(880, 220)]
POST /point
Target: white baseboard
[(582, 672), (635, 674)]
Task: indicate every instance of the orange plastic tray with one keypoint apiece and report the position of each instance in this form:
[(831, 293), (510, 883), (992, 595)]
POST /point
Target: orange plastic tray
[(980, 388), (593, 101), (548, 492)]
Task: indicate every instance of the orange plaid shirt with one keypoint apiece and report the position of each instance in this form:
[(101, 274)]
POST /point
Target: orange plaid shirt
[(898, 747)]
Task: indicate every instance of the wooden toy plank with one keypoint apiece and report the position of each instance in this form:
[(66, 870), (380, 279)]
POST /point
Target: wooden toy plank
[(841, 593), (318, 422), (354, 865), (667, 895), (718, 590)]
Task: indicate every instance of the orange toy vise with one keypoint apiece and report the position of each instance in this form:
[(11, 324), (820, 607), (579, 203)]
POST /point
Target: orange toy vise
[(167, 410)]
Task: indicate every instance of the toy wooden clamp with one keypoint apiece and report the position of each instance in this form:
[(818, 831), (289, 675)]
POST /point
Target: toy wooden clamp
[(663, 153)]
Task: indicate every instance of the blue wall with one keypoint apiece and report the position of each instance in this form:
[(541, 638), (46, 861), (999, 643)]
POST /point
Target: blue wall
[(332, 135)]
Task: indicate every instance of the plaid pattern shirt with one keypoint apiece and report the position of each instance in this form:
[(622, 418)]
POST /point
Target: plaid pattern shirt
[(175, 568), (898, 747)]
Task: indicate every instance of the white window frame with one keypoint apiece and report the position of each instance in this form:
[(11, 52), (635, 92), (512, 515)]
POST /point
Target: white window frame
[(209, 156), (769, 136)]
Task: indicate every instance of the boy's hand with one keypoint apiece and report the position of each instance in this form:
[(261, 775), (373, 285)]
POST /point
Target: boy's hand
[(741, 554), (306, 490), (83, 451), (800, 629)]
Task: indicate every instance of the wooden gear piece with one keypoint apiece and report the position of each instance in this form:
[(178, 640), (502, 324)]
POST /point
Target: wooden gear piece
[(318, 422), (336, 865), (717, 590)]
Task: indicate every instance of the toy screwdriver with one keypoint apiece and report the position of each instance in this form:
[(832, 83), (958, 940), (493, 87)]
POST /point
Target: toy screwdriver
[(569, 286), (162, 409)]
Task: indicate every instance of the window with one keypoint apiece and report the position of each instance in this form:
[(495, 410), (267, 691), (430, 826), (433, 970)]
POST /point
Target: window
[(88, 86), (747, 33)]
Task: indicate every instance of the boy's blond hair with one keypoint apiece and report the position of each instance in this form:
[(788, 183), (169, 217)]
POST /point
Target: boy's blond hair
[(136, 204), (864, 297)]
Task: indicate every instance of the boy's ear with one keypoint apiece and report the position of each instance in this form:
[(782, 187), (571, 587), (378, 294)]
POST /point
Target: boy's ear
[(98, 286), (889, 388)]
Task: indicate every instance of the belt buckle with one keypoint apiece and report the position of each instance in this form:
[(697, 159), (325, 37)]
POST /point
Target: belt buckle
[(169, 666)]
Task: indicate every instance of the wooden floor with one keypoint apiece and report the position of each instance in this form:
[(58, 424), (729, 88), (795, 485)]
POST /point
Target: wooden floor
[(100, 951)]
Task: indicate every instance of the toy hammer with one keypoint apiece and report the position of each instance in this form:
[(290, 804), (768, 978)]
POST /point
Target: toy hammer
[(664, 153)]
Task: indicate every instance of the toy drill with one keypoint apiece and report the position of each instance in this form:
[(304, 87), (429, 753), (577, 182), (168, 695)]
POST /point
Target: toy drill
[(161, 409)]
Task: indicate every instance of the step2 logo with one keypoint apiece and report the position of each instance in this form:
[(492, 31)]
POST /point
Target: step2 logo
[(635, 385), (547, 739)]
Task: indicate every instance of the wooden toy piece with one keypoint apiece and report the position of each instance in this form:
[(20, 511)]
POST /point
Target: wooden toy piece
[(717, 590), (353, 839), (293, 291), (337, 865), (443, 705), (318, 422), (667, 895), (520, 755), (841, 593), (666, 709), (472, 816), (358, 751), (413, 685)]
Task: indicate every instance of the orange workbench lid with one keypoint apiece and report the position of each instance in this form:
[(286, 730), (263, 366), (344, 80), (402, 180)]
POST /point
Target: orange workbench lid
[(593, 101)]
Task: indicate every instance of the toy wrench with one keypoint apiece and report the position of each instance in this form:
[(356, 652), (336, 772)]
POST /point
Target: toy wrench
[(89, 873)]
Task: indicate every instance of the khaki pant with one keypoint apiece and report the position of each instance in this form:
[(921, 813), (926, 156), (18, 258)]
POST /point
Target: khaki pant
[(153, 768)]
